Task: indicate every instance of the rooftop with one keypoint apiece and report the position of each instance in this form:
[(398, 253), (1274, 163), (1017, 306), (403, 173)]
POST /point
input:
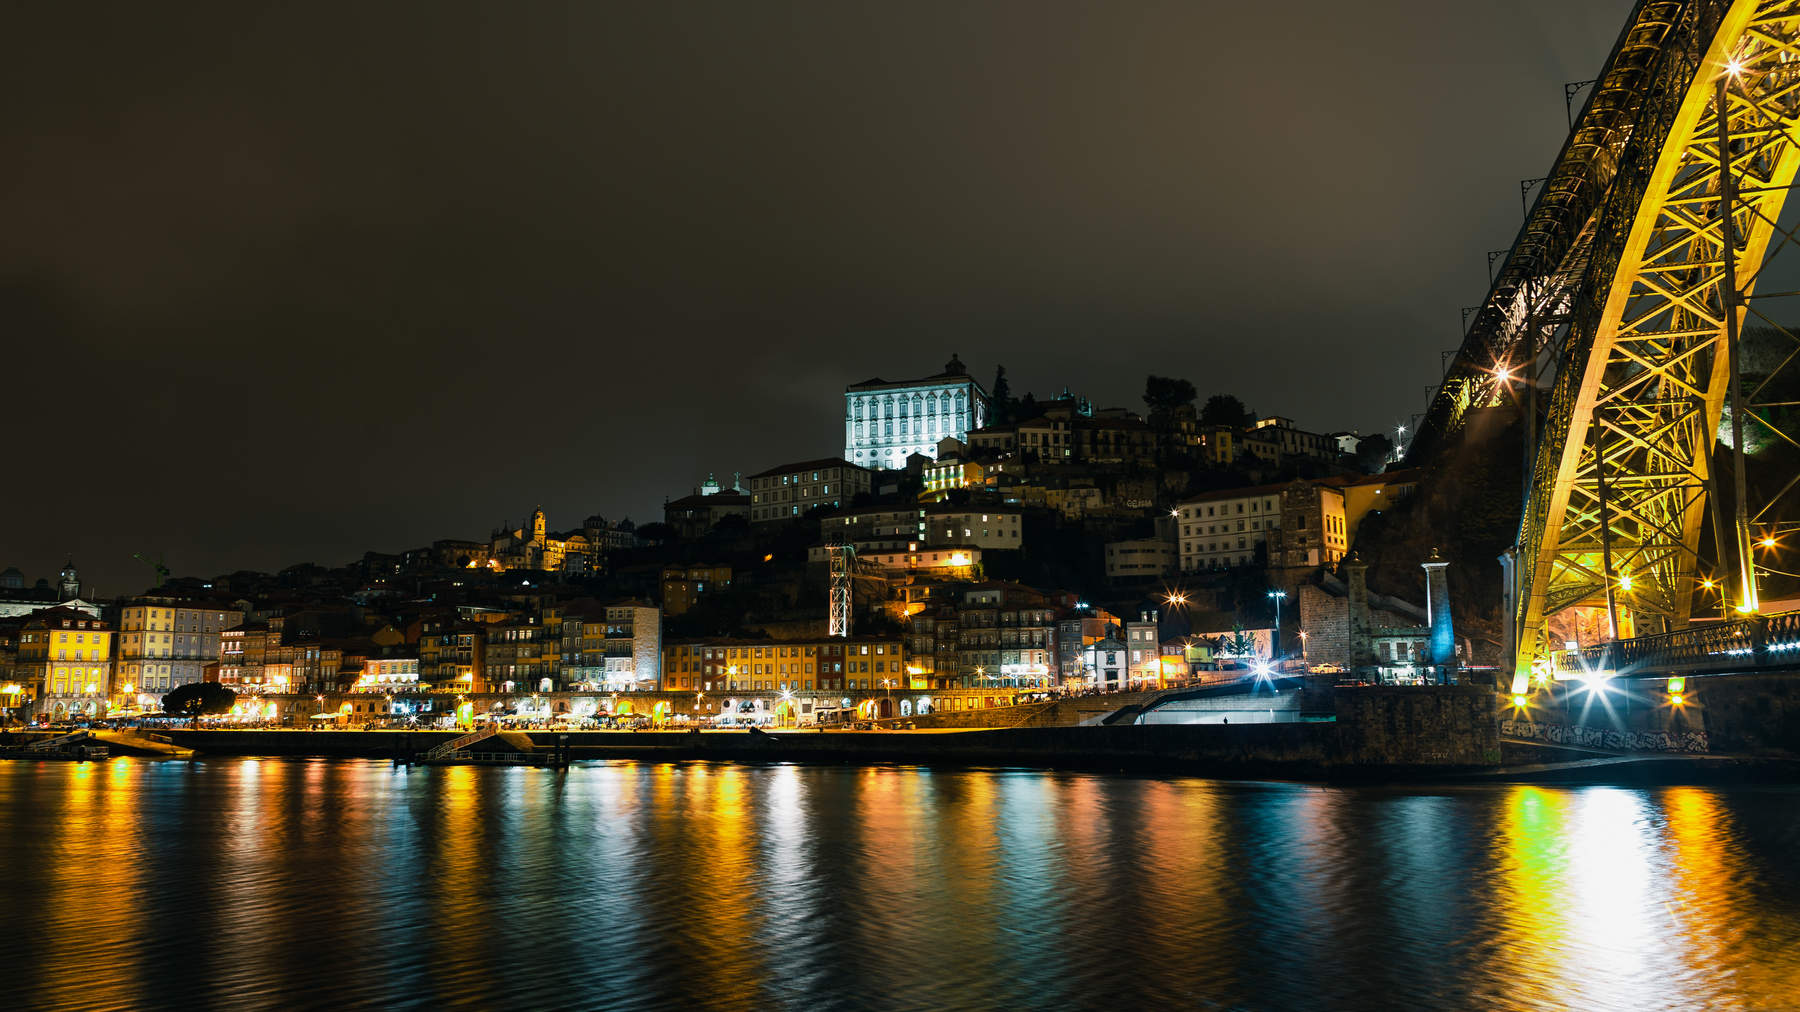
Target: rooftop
[(814, 641), (806, 465), (716, 499), (954, 372)]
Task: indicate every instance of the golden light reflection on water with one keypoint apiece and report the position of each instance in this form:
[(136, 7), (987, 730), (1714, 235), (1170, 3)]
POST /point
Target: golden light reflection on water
[(455, 868), (90, 879), (254, 793), (713, 809), (1709, 877), (700, 885), (1628, 899)]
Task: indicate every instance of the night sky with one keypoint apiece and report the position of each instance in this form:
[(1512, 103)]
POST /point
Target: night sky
[(283, 286)]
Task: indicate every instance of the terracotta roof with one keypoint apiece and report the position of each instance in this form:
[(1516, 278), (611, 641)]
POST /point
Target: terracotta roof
[(808, 465)]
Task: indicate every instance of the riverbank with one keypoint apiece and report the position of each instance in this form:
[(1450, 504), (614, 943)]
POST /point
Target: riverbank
[(1291, 752), (1281, 751), (1251, 752), (1365, 735)]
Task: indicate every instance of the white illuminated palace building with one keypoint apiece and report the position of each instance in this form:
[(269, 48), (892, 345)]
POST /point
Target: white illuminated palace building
[(887, 421)]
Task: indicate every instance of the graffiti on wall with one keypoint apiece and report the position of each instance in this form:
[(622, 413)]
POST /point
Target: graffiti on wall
[(1606, 738)]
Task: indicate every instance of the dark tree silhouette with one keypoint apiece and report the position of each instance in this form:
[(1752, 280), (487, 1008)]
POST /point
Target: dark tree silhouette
[(198, 699), (1163, 396), (1372, 452), (1225, 409)]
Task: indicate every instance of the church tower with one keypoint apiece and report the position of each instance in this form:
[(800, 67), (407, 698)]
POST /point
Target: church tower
[(69, 586)]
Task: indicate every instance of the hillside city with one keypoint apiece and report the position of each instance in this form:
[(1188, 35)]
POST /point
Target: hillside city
[(966, 543)]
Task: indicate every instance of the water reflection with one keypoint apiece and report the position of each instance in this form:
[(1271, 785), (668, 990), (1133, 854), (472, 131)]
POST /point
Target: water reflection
[(292, 884)]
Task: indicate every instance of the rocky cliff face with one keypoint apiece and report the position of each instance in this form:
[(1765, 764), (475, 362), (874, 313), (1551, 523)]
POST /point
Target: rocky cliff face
[(1467, 507)]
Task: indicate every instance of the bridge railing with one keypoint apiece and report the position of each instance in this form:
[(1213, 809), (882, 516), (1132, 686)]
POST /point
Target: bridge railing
[(1762, 641)]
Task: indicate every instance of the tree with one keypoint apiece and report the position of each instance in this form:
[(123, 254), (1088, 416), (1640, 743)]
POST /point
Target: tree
[(1163, 396), (656, 532), (732, 525), (1241, 644), (1001, 400), (1225, 409), (1372, 452), (197, 699), (1025, 408)]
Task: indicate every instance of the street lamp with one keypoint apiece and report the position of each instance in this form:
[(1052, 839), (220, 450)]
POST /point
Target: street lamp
[(1277, 596)]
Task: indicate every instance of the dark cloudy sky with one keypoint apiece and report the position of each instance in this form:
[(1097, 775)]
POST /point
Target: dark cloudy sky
[(279, 286)]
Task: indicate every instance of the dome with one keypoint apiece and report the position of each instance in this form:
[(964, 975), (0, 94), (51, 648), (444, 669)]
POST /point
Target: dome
[(12, 579)]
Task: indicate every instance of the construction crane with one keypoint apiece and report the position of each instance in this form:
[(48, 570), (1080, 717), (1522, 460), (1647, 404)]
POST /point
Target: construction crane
[(162, 571), (843, 557)]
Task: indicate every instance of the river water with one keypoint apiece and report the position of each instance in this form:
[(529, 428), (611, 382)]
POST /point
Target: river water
[(295, 884)]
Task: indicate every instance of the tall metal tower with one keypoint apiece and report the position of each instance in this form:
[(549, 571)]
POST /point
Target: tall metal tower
[(843, 556)]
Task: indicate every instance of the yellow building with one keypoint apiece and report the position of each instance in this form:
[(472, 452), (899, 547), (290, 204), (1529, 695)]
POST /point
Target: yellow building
[(453, 655), (532, 546), (166, 642), (1373, 494), (65, 664), (951, 473), (1218, 444), (826, 665)]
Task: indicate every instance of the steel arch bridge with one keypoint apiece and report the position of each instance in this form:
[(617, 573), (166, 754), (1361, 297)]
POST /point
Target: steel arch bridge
[(1627, 288)]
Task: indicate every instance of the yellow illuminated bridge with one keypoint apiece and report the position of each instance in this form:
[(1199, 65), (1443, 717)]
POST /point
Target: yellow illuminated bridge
[(1615, 321)]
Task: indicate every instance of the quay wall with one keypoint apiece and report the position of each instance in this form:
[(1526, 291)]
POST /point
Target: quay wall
[(1378, 731), (1061, 712), (1427, 724), (1740, 714)]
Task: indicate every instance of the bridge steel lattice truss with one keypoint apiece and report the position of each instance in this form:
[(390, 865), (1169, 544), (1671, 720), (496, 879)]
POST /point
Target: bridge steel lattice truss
[(1623, 285)]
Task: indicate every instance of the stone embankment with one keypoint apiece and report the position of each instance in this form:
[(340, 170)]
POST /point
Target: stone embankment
[(1751, 714), (1378, 732)]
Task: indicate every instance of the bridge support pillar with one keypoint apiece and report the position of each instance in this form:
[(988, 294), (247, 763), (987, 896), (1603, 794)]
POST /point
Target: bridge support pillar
[(1442, 642), (1362, 642)]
